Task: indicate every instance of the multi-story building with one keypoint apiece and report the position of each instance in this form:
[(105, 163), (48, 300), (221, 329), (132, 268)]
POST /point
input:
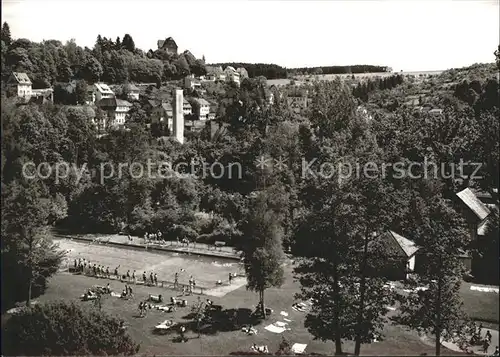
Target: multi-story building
[(163, 113), (116, 110), (201, 108), (187, 108), (19, 85), (132, 91), (232, 75), (190, 82), (102, 91), (168, 45)]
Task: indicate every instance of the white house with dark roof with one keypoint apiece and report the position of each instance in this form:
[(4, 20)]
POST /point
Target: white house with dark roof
[(19, 85), (116, 110)]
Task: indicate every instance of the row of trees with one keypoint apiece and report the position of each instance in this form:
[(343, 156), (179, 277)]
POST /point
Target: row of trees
[(338, 70), (363, 89)]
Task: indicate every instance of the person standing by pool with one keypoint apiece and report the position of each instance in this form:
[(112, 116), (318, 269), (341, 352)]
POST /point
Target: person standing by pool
[(191, 280), (133, 277), (176, 280)]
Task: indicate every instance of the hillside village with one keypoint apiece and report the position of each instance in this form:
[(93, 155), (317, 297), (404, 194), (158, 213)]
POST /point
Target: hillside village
[(390, 265)]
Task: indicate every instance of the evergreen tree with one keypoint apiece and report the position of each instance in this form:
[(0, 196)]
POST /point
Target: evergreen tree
[(128, 43), (5, 34)]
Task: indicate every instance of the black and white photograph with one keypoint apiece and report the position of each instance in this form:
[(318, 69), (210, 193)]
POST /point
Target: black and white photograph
[(250, 177)]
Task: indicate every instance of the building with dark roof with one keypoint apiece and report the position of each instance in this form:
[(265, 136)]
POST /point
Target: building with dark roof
[(19, 85), (394, 255), (131, 90), (116, 110), (168, 45)]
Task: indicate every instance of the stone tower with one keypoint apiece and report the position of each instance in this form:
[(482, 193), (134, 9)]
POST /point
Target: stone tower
[(178, 127)]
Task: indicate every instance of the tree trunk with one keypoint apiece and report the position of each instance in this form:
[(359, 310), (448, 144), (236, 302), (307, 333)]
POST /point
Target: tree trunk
[(438, 343), (362, 293), (262, 303), (28, 300), (30, 265), (438, 311), (336, 312)]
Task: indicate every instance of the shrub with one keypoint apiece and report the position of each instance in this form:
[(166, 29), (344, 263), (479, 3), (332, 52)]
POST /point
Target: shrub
[(62, 328)]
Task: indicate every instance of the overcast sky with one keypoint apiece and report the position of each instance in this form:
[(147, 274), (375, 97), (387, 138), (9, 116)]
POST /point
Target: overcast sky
[(407, 35)]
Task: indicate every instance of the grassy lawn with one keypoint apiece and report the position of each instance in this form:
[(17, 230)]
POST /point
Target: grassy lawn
[(481, 306), (223, 339), (237, 304)]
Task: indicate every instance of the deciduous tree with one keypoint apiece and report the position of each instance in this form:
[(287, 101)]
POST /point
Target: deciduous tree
[(261, 247), (67, 329), (438, 309)]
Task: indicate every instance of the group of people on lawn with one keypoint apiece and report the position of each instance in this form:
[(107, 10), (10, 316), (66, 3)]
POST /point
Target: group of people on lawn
[(485, 341)]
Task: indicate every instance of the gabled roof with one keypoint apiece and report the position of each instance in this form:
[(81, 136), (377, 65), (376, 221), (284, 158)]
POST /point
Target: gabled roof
[(154, 103), (185, 103), (406, 245), (167, 106), (131, 87), (123, 103), (21, 77), (393, 244), (167, 42), (474, 204), (103, 88), (201, 101)]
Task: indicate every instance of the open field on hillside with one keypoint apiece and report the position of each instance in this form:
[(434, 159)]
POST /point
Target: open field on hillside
[(330, 77)]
